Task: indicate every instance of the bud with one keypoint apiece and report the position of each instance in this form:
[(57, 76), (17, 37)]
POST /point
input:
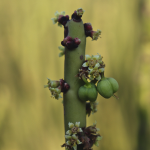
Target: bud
[(76, 16), (70, 43), (67, 39), (77, 41), (87, 26), (66, 87), (52, 83), (63, 19)]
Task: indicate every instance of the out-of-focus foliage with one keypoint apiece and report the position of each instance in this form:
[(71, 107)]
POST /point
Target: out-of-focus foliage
[(29, 118)]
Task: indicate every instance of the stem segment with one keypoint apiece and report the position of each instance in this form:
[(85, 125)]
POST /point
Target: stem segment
[(74, 109)]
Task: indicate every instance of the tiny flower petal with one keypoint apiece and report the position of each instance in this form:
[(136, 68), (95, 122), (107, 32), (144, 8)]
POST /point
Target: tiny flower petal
[(88, 57), (75, 146), (90, 68), (61, 48), (57, 13), (77, 124), (71, 125), (45, 86), (101, 70), (78, 142), (98, 130), (96, 143), (97, 65), (85, 64), (100, 57), (62, 13), (96, 57), (99, 138), (80, 130), (59, 24), (80, 11), (67, 137), (68, 143), (61, 54), (74, 137), (54, 20), (69, 132)]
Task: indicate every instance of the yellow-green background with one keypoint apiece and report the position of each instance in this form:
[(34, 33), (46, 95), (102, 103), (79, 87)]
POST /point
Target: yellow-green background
[(29, 118)]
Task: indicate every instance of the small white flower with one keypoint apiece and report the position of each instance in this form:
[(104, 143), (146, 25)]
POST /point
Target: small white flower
[(90, 63), (71, 125), (74, 128), (77, 124), (69, 132), (80, 11)]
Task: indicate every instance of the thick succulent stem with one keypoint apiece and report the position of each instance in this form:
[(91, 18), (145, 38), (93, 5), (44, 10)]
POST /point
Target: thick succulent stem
[(74, 109)]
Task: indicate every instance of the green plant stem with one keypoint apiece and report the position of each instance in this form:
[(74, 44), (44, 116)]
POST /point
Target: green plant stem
[(74, 109)]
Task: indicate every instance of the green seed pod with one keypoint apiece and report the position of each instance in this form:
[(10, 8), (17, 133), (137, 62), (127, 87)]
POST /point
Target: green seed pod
[(107, 87), (114, 84), (88, 92)]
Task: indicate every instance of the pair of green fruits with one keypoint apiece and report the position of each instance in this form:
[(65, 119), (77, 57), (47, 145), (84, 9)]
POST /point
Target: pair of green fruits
[(106, 87)]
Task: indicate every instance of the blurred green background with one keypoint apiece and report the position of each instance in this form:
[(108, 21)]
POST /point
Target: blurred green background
[(29, 118)]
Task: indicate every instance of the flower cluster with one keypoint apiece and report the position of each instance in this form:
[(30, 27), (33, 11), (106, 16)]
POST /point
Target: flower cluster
[(89, 31), (76, 16), (90, 137), (60, 18), (56, 87), (70, 43), (71, 136), (86, 136), (94, 66), (95, 34)]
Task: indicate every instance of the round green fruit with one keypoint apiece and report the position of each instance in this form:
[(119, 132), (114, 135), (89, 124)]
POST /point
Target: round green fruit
[(107, 87), (88, 92), (114, 84)]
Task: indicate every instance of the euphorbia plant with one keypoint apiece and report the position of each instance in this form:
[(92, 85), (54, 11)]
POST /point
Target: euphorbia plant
[(79, 87)]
